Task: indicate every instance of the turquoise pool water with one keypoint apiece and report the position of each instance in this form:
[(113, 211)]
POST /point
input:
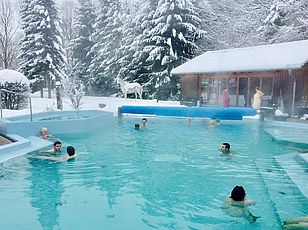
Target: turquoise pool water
[(168, 176)]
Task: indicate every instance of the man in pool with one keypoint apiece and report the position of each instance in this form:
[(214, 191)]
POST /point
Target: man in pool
[(44, 133), (56, 148), (144, 123), (137, 126), (225, 148), (214, 123), (236, 205), (71, 154)]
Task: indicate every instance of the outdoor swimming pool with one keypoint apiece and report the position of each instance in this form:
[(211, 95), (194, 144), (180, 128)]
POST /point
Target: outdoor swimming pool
[(168, 176)]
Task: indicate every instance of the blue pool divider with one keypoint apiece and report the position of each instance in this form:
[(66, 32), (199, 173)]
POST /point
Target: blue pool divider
[(223, 113)]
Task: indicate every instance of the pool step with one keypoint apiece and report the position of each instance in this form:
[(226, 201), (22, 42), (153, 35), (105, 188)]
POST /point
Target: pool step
[(281, 190), (21, 146), (303, 160), (297, 169), (289, 136)]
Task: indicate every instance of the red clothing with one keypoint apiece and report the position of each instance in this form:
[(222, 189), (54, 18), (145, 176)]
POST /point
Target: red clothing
[(225, 98)]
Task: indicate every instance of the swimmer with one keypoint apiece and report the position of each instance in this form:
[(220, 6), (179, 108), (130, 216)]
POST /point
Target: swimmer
[(144, 123), (225, 148), (71, 154), (236, 204), (56, 148), (294, 148), (296, 223), (44, 133), (137, 126), (188, 122), (214, 123)]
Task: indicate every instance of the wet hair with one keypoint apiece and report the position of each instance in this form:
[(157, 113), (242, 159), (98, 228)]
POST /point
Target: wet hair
[(57, 143), (227, 145), (70, 150), (137, 126), (44, 129), (238, 193), (144, 119)]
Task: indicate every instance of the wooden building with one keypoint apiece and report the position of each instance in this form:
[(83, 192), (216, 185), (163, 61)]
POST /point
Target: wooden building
[(280, 70)]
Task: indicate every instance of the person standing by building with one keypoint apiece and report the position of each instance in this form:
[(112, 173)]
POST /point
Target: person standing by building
[(257, 98), (225, 98)]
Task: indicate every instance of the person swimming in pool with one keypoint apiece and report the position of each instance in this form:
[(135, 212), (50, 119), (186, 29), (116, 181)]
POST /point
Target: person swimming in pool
[(56, 148), (225, 148), (144, 123), (188, 122), (214, 123), (296, 223), (44, 133), (71, 154), (236, 205), (294, 148), (137, 126)]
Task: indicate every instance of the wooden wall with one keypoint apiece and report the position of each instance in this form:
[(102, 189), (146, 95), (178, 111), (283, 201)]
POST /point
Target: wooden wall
[(189, 87)]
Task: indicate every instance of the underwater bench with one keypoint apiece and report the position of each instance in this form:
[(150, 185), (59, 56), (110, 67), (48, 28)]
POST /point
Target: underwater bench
[(223, 113)]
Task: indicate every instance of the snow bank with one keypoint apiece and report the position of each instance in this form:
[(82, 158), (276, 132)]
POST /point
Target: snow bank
[(112, 104), (12, 76)]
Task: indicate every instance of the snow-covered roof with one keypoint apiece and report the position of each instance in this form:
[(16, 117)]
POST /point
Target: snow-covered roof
[(282, 56), (12, 76)]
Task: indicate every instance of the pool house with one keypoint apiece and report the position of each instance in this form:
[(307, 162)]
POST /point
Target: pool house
[(280, 70)]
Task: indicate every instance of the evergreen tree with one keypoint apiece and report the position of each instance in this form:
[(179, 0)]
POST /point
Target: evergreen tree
[(107, 37), (131, 48), (286, 21), (42, 52), (82, 44), (169, 43)]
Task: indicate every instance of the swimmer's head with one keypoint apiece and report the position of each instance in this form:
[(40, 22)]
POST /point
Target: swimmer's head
[(225, 148), (57, 145), (44, 131), (70, 151), (144, 122), (214, 122), (238, 193), (137, 126)]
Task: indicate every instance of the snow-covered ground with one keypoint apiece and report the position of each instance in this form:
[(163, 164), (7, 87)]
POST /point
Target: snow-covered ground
[(112, 104)]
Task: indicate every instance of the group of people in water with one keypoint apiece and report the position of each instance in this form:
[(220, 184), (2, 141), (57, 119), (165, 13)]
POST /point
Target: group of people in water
[(144, 124), (235, 205), (56, 148)]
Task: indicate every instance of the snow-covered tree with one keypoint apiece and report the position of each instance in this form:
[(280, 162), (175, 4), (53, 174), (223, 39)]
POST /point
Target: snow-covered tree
[(231, 23), (73, 89), (42, 52), (170, 41), (287, 21), (107, 37), (131, 43), (67, 12), (9, 35), (82, 44)]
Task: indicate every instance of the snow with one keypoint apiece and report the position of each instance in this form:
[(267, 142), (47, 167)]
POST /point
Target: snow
[(12, 76), (87, 103), (282, 56)]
